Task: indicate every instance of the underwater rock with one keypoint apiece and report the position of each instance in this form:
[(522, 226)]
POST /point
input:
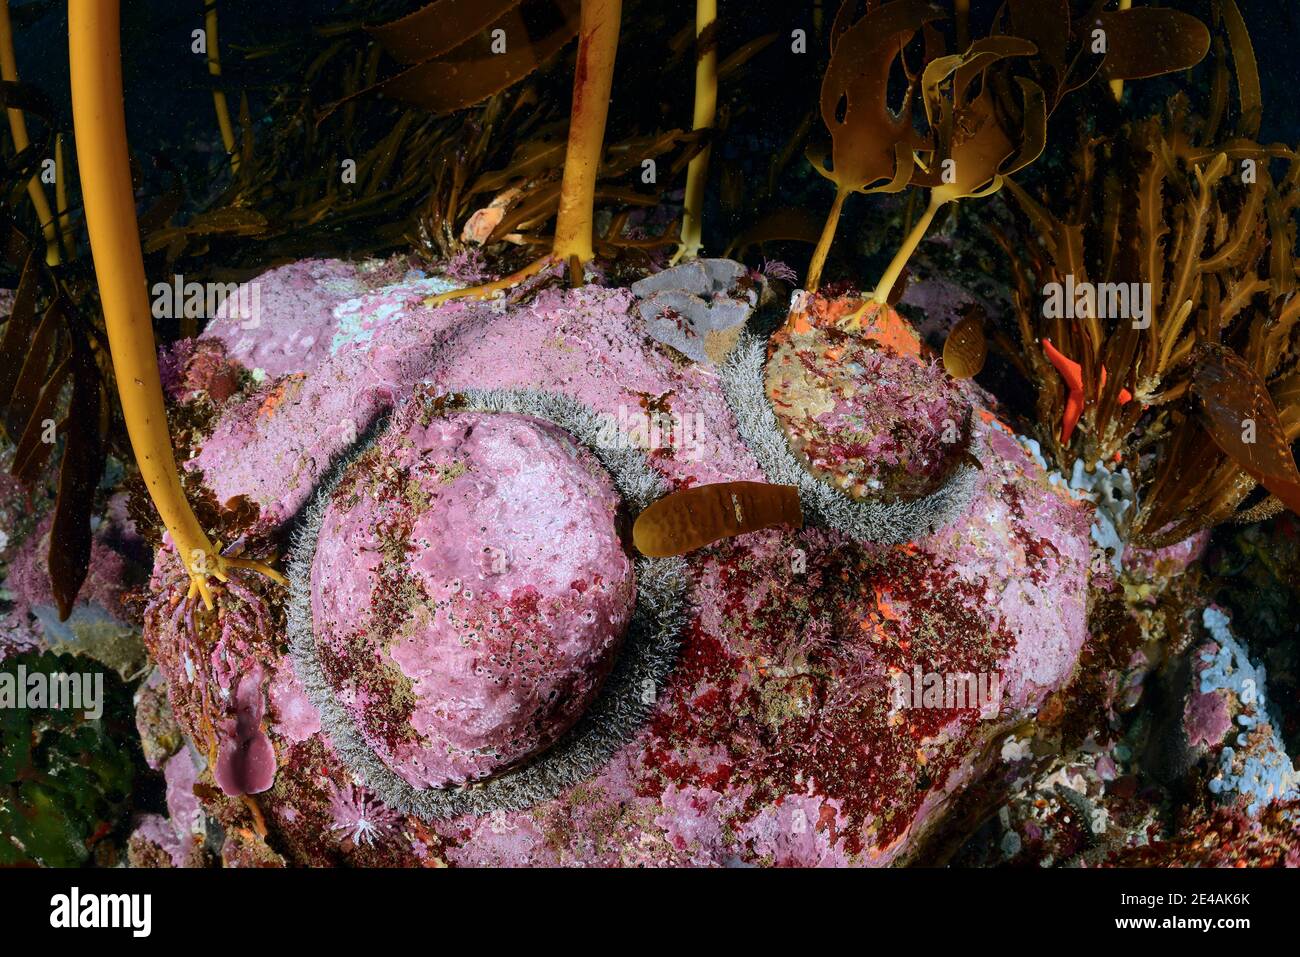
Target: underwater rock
[(781, 710), (294, 717), (865, 419), (1166, 562), (308, 291), (274, 445), (469, 592), (195, 367), (177, 840), (160, 735), (21, 509), (697, 308), (243, 848)]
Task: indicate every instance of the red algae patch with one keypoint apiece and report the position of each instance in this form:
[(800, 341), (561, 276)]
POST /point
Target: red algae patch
[(469, 592)]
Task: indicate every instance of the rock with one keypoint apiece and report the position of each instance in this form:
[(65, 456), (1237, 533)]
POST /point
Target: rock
[(779, 712), (307, 290), (865, 418), (469, 592), (193, 367), (160, 735)]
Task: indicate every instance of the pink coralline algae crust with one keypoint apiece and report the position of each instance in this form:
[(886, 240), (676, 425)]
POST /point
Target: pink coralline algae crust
[(864, 418), (180, 835), (1206, 719), (106, 578), (293, 715), (469, 591), (115, 552), (275, 445), (308, 291), (1168, 561), (778, 714), (1030, 543)]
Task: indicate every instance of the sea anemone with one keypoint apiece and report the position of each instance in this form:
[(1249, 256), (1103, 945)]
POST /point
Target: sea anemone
[(360, 816)]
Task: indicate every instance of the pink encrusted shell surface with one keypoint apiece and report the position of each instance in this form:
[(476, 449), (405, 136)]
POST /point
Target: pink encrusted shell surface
[(469, 592), (774, 739)]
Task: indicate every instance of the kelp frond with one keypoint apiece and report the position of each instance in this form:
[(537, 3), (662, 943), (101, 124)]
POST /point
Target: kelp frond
[(1170, 281), (872, 143)]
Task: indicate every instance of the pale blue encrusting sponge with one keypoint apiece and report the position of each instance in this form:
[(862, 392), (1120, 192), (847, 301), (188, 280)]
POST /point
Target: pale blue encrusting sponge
[(1257, 769)]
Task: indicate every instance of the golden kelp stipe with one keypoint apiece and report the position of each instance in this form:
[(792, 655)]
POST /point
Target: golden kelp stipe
[(695, 517), (99, 116)]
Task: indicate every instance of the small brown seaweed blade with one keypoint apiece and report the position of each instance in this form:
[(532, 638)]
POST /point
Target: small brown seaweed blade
[(788, 224), (458, 78), (1247, 69), (31, 452), (26, 391), (965, 349), (83, 463), (1151, 41), (18, 329), (438, 27), (693, 518), (854, 100), (1239, 414)]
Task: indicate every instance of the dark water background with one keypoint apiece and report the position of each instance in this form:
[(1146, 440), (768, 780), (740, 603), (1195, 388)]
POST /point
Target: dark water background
[(169, 105)]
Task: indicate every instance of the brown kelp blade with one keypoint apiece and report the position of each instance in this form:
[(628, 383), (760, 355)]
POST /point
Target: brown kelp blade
[(1245, 64), (787, 224), (83, 464), (695, 517), (871, 143), (1240, 416), (438, 28), (18, 330), (443, 77), (1151, 41), (976, 146), (965, 349)]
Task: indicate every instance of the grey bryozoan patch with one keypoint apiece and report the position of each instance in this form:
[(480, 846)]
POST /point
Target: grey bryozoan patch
[(644, 662), (743, 385)]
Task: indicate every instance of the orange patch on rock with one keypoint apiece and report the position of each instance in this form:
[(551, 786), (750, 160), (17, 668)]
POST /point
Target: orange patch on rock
[(889, 328)]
